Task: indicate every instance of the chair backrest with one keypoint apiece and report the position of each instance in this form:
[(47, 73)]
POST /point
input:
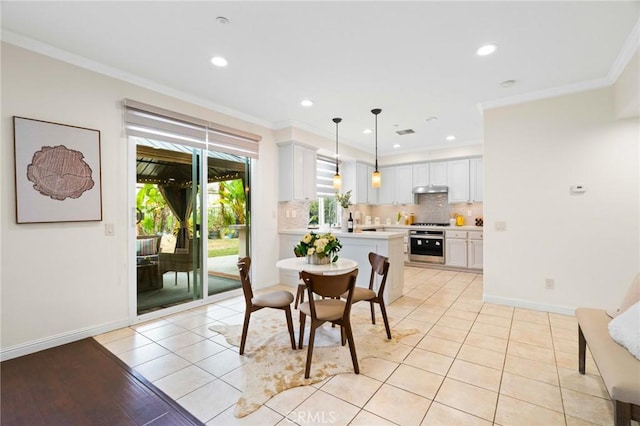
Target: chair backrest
[(379, 266), (244, 265), (332, 286)]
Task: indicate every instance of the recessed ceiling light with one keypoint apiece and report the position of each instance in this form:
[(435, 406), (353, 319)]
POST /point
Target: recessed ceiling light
[(219, 61), (432, 118), (451, 138), (222, 20), (396, 145), (507, 83), (367, 131), (487, 49), (306, 103)]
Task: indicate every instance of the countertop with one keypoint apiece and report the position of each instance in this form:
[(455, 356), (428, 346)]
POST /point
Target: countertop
[(436, 228), (379, 235)]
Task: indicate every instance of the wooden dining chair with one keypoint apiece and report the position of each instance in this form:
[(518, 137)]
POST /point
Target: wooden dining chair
[(379, 267), (332, 309), (301, 287), (280, 299)]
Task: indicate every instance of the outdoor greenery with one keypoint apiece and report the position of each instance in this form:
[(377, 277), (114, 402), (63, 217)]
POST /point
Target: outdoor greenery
[(154, 217), (330, 208)]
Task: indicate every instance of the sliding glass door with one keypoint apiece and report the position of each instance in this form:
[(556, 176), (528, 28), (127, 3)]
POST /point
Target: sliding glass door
[(175, 234)]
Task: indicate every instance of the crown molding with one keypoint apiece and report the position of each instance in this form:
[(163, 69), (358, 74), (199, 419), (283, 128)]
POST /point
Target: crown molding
[(628, 50), (544, 94), (100, 68)]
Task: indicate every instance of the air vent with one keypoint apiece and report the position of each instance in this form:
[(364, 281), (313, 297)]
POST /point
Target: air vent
[(405, 132)]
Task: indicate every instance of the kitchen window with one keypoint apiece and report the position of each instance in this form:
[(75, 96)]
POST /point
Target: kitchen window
[(325, 210)]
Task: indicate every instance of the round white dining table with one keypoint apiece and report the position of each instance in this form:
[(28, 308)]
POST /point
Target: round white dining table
[(298, 264)]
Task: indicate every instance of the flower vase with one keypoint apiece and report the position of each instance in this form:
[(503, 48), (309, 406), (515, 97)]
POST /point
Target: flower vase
[(314, 259)]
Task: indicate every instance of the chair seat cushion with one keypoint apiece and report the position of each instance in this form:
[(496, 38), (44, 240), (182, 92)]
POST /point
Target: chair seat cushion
[(361, 293), (273, 299), (326, 309)]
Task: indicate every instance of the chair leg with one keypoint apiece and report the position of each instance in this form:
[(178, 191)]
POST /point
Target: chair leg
[(383, 310), (622, 413), (373, 313), (352, 346), (245, 329), (300, 295), (287, 311), (175, 279), (582, 351), (312, 336), (303, 317), (188, 283)]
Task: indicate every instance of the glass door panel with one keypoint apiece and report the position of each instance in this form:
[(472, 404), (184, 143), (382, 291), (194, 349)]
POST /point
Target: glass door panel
[(168, 244), (228, 220)]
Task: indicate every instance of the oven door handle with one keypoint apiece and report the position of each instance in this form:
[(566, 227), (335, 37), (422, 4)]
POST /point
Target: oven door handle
[(427, 237)]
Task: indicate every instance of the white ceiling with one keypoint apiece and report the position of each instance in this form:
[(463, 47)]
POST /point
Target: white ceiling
[(412, 59)]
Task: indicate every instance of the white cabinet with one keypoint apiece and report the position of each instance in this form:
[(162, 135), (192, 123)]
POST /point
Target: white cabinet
[(456, 248), (464, 249), (420, 174), (372, 193), (356, 177), (475, 251), (297, 172), (395, 187), (458, 181), (476, 180), (438, 173)]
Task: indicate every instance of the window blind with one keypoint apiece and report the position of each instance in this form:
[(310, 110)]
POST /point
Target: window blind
[(325, 169), (151, 122)]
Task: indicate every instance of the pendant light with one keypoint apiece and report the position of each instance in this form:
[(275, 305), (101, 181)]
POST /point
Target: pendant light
[(337, 179), (375, 176)]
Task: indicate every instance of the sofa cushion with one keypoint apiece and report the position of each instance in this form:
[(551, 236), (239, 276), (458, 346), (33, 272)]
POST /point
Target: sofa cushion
[(618, 368), (146, 246), (625, 329), (632, 296)]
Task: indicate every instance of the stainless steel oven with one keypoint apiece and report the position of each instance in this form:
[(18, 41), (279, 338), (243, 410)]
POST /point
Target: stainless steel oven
[(426, 246)]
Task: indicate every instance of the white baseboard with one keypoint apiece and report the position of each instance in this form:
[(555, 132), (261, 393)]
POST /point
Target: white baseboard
[(519, 303), (57, 340)]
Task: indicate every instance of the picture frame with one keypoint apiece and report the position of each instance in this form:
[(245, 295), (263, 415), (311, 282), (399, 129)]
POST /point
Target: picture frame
[(57, 171)]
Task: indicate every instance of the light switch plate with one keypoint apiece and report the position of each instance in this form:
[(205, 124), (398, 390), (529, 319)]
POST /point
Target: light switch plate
[(109, 229), (501, 226)]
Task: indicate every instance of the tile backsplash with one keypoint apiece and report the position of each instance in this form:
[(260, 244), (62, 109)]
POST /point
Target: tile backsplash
[(432, 208)]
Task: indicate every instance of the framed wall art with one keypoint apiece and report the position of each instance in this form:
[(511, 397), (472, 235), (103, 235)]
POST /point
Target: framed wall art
[(58, 175)]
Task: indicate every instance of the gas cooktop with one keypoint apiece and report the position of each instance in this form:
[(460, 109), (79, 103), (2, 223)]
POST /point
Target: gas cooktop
[(430, 224)]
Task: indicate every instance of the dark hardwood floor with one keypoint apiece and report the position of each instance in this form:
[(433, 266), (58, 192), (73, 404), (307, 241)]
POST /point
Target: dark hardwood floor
[(82, 383)]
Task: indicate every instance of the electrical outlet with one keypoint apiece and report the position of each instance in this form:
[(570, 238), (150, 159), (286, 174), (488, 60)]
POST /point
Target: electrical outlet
[(294, 213), (288, 213), (549, 283)]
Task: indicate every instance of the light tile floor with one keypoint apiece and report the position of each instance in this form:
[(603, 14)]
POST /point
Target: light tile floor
[(474, 363)]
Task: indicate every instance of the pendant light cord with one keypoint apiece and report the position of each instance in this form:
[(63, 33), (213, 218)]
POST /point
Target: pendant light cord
[(337, 121)]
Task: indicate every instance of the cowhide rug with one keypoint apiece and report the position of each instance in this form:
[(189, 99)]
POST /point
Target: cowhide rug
[(274, 367)]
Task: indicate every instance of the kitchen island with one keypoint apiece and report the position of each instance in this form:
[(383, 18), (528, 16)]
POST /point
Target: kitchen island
[(356, 246)]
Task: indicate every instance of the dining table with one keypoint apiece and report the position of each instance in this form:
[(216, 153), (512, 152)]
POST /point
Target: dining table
[(299, 264)]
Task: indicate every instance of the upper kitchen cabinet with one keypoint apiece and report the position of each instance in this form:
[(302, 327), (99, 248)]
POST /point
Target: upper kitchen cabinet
[(356, 177), (438, 173), (297, 172), (465, 180), (458, 181), (476, 180), (421, 174), (394, 188)]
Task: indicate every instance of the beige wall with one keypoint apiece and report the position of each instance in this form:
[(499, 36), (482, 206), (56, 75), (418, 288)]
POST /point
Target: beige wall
[(64, 281), (589, 243)]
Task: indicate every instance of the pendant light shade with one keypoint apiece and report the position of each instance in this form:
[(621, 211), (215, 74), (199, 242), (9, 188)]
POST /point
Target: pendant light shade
[(337, 179), (376, 178)]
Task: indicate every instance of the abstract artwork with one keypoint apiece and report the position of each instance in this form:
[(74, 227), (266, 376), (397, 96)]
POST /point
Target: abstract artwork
[(57, 172)]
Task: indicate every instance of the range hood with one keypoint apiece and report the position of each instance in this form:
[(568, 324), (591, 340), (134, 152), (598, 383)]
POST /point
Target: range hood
[(431, 189)]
